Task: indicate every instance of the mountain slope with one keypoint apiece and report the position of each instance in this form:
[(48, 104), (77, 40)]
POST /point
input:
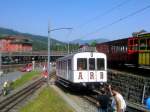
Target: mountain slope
[(89, 41)]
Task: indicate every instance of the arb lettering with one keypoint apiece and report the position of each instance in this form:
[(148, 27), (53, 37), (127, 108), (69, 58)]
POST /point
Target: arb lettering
[(80, 75), (91, 75)]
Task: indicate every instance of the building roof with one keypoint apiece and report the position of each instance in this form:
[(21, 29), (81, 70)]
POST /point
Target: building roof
[(18, 39)]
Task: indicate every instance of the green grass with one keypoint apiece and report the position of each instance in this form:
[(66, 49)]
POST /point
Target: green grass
[(47, 101), (24, 79)]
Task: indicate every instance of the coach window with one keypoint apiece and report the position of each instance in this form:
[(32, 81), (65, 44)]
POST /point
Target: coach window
[(148, 44), (81, 64), (69, 65), (91, 63), (130, 42), (136, 44), (142, 44), (100, 64)]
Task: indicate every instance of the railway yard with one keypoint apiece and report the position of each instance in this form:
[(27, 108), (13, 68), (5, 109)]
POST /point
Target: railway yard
[(133, 87), (75, 56), (78, 77)]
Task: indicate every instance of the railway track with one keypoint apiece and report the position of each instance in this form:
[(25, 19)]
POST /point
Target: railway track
[(9, 102)]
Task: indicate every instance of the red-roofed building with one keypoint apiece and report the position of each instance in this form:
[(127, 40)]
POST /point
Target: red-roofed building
[(15, 44)]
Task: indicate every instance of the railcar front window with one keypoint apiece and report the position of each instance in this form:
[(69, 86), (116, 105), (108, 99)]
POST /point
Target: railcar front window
[(92, 64), (100, 64), (81, 64)]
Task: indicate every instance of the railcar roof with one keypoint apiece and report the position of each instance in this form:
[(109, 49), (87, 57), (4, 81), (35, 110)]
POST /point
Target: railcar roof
[(71, 55), (114, 41)]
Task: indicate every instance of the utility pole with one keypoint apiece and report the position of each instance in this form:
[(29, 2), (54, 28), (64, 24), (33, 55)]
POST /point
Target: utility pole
[(0, 59), (68, 39), (0, 55), (49, 44), (1, 72), (48, 62), (68, 47)]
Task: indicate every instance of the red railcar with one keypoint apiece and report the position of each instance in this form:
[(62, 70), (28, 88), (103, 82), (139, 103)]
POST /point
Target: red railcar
[(122, 51)]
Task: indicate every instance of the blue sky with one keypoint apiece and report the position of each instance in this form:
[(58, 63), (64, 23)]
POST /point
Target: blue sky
[(84, 16)]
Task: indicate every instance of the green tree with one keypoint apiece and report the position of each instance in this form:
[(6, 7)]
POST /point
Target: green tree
[(93, 44)]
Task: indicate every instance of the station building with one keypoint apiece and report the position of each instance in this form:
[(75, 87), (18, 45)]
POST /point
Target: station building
[(15, 43)]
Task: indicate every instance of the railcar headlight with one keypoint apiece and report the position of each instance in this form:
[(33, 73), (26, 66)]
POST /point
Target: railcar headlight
[(84, 84)]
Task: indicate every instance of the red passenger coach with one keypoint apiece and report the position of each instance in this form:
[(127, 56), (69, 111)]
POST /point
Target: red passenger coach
[(133, 50), (120, 51)]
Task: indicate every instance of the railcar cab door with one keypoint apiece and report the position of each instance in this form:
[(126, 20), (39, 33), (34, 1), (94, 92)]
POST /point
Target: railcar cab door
[(91, 70), (97, 69)]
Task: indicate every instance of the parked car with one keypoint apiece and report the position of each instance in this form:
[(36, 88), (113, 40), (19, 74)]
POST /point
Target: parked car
[(26, 68)]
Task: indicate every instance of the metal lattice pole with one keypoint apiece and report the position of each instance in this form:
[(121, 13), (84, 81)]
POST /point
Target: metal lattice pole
[(48, 62)]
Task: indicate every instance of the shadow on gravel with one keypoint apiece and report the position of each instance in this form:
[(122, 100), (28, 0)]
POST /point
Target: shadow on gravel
[(75, 90)]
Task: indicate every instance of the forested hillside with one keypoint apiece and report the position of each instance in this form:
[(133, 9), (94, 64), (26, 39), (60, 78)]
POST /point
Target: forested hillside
[(39, 42)]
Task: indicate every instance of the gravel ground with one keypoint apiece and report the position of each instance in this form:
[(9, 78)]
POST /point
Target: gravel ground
[(79, 104)]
